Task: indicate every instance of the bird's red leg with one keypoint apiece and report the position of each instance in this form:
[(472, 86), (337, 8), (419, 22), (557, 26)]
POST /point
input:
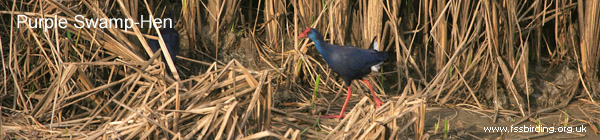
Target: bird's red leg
[(348, 95), (377, 102)]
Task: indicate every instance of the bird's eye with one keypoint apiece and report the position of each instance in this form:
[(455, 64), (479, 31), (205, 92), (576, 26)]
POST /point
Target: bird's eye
[(309, 32)]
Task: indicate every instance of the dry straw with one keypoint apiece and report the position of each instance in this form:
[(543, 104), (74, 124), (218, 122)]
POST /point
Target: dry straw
[(244, 75)]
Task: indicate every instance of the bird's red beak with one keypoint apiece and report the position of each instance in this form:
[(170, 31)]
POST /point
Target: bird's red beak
[(303, 34)]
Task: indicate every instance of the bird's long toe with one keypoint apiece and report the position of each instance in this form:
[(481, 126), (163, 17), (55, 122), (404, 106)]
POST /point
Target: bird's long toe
[(378, 104)]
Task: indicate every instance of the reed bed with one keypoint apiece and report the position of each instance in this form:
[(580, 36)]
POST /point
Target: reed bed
[(242, 74)]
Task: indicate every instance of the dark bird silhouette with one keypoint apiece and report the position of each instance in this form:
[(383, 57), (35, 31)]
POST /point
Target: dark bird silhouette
[(348, 62), (171, 38)]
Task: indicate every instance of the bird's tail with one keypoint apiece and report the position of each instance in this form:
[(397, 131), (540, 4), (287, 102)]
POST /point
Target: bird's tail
[(377, 66), (374, 45), (382, 55)]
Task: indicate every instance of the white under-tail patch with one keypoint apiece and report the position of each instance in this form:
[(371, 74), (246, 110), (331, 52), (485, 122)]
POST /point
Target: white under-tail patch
[(376, 66), (375, 45)]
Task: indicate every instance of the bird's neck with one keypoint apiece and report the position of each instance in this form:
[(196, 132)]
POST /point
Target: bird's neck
[(322, 47)]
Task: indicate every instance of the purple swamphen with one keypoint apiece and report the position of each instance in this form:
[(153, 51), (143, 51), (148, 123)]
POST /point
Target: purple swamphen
[(348, 62), (170, 36)]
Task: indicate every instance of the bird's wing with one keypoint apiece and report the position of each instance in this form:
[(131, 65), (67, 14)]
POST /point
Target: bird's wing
[(355, 59)]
